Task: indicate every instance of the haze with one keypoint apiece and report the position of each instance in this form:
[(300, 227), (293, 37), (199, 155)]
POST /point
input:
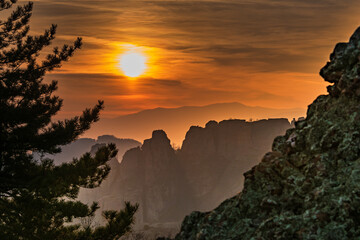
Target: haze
[(256, 52)]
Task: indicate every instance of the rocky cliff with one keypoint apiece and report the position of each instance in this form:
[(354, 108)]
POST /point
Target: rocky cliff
[(148, 175), (212, 157), (308, 186), (168, 183), (158, 176)]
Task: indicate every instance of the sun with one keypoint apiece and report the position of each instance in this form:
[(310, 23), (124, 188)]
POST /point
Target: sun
[(133, 64)]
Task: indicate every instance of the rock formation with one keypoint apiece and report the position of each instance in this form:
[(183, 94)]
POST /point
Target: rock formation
[(149, 176), (168, 183), (158, 175), (212, 157), (308, 186)]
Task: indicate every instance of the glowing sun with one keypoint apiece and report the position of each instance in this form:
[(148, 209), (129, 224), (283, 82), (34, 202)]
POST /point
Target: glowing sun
[(133, 64)]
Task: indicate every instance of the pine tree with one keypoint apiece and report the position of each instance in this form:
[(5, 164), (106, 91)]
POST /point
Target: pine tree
[(37, 197)]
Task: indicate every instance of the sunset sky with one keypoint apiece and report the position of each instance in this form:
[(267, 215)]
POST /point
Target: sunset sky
[(257, 52)]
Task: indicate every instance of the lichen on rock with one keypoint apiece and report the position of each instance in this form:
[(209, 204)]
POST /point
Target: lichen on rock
[(308, 187)]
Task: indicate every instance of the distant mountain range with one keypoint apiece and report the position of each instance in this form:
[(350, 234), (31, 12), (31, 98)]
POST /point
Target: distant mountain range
[(77, 148), (176, 121)]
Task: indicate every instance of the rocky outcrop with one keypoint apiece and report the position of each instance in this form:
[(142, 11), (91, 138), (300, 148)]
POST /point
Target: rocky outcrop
[(154, 173), (168, 183), (214, 157), (308, 186), (148, 175)]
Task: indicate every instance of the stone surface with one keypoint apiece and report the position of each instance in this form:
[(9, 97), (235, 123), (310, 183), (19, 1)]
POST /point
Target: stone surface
[(308, 187)]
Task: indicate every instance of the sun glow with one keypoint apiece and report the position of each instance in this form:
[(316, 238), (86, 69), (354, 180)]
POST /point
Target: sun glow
[(133, 63)]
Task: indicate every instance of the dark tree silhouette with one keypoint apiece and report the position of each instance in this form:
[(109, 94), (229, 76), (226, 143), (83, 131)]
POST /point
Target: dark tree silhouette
[(37, 198)]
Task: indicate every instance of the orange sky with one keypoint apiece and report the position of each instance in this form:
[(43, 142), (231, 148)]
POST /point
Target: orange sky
[(258, 52)]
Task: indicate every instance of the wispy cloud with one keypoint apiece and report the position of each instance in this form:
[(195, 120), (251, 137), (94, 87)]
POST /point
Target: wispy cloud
[(254, 51)]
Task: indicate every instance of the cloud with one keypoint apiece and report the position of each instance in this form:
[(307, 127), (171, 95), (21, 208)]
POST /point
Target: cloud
[(82, 90), (206, 51)]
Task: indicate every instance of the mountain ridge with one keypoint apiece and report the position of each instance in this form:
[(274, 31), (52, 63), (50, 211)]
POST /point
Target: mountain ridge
[(83, 145), (176, 121)]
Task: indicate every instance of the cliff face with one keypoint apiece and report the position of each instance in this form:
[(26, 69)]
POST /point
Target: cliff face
[(158, 178), (148, 175), (212, 157), (168, 183), (308, 186)]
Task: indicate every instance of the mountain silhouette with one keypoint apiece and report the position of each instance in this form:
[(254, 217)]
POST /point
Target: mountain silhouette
[(169, 183), (77, 148), (176, 121)]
